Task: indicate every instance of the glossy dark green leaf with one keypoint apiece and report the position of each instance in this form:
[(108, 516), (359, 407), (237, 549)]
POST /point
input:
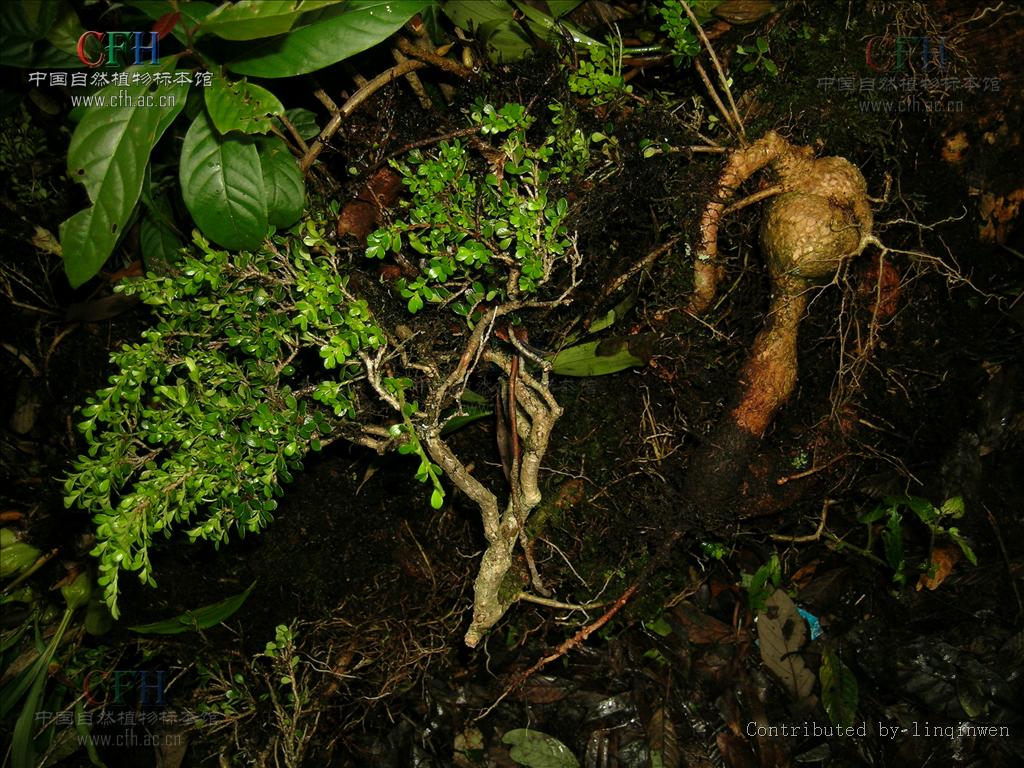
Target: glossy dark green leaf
[(66, 31), (456, 423), (201, 618), (355, 27), (283, 181), (254, 19), (158, 240), (192, 14), (839, 690), (222, 185), (596, 358), (560, 8), (494, 24), (241, 106), (109, 152), (549, 29), (304, 121)]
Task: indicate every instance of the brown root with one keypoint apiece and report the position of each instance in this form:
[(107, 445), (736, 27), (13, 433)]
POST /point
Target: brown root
[(817, 219)]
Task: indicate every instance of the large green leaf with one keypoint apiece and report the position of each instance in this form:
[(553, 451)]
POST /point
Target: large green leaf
[(358, 25), (192, 14), (560, 8), (282, 178), (495, 25), (38, 33), (66, 31), (241, 106), (548, 29), (108, 154), (598, 358), (253, 19), (222, 184), (158, 241), (201, 618)]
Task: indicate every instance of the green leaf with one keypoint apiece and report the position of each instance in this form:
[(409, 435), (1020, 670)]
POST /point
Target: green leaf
[(158, 241), (597, 358), (455, 423), (839, 691), (283, 182), (241, 106), (201, 618), (892, 540), (538, 750), (109, 152), (21, 25), (494, 23), (355, 27), (222, 184), (560, 8), (304, 122), (192, 14), (954, 534), (548, 29), (253, 19), (953, 507), (66, 31)]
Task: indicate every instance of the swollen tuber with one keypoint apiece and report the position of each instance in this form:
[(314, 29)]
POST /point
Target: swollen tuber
[(818, 217)]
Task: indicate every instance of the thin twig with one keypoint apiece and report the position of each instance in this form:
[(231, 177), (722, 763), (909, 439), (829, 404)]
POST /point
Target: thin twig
[(764, 194), (639, 266), (581, 636), (436, 58), (718, 68), (811, 536), (353, 102)]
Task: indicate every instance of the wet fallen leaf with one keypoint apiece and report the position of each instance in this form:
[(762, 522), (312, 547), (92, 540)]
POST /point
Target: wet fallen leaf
[(735, 751), (702, 629), (782, 633), (27, 403), (944, 557), (538, 750), (469, 748), (882, 289), (544, 691), (100, 309), (361, 216), (662, 740)]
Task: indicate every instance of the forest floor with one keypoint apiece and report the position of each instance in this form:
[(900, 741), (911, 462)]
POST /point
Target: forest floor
[(848, 510)]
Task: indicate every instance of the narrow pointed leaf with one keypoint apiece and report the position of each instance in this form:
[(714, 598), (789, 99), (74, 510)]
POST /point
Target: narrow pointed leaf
[(357, 26), (839, 690), (201, 618)]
